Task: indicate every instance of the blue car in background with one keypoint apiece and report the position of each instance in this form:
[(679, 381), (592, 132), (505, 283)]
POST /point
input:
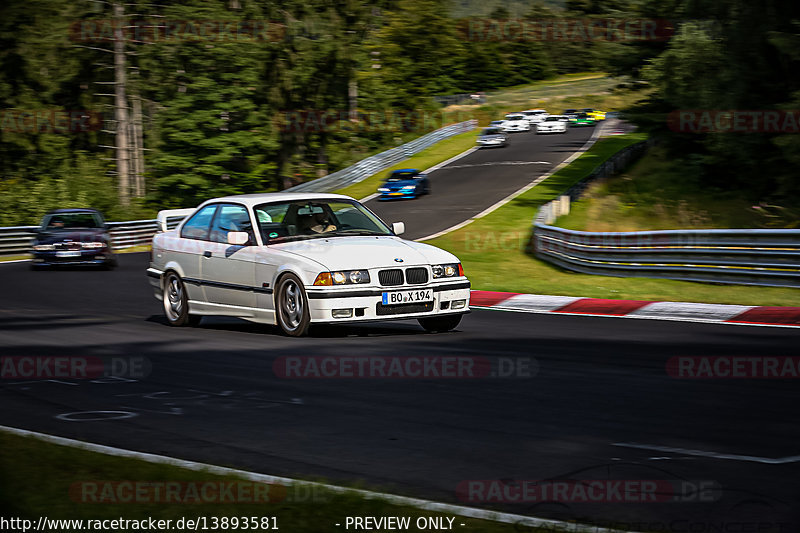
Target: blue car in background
[(404, 183)]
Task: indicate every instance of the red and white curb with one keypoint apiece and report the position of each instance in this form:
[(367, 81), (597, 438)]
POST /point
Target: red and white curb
[(681, 311)]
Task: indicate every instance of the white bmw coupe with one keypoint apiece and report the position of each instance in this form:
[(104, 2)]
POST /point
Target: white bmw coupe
[(296, 259)]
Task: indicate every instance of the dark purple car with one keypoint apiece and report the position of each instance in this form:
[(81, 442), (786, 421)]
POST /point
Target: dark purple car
[(73, 237)]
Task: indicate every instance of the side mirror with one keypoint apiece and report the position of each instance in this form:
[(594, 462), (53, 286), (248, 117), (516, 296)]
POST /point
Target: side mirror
[(398, 228), (238, 238)]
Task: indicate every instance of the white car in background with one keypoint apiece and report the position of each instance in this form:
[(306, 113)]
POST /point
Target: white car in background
[(516, 122), (535, 116), (498, 124), (296, 259), (553, 124), (492, 137)]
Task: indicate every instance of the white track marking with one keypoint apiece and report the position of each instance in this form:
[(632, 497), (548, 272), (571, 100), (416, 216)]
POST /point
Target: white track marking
[(15, 261), (496, 163), (427, 505), (690, 310), (437, 166), (523, 190), (713, 455), (536, 302)]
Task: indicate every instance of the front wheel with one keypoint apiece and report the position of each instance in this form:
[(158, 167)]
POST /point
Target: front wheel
[(176, 302), (291, 305), (440, 324)]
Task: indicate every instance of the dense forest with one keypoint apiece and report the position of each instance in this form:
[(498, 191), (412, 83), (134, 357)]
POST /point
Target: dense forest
[(213, 91)]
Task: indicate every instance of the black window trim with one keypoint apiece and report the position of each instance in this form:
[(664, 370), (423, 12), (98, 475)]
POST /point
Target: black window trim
[(238, 204)]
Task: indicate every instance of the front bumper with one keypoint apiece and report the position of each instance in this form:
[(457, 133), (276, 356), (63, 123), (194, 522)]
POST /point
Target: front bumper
[(394, 195), (366, 304), (492, 143), (85, 257)]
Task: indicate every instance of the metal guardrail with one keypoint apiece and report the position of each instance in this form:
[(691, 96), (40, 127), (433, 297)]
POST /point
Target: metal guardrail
[(374, 164), (742, 256), (18, 240)]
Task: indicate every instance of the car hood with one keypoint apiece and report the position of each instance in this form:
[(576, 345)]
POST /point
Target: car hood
[(348, 253), (82, 235)]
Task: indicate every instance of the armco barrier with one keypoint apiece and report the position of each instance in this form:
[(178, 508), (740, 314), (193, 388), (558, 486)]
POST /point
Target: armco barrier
[(18, 240), (374, 164), (740, 256)]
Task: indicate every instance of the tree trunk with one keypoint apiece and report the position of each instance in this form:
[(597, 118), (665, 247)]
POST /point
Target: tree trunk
[(121, 107)]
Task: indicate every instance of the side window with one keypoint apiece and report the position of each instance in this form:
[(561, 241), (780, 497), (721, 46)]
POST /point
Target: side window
[(231, 217), (197, 226)]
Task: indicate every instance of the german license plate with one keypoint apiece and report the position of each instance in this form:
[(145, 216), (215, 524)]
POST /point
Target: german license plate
[(68, 253), (407, 297)]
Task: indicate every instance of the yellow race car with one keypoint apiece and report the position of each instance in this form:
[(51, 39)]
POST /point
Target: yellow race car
[(595, 114)]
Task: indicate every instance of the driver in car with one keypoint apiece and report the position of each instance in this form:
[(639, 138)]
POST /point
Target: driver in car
[(321, 223)]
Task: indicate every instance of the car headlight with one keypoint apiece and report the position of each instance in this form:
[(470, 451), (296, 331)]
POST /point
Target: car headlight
[(343, 277), (409, 187), (383, 189), (449, 270), (92, 245), (43, 247)]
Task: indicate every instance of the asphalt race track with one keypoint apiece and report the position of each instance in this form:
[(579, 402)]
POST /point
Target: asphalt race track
[(215, 394), (471, 184)]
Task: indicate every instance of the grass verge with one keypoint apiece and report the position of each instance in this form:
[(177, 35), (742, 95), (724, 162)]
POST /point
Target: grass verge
[(492, 252), (44, 479), (656, 193), (23, 257)]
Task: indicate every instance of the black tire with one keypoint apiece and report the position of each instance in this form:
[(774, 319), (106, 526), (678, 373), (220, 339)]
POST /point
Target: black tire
[(291, 306), (440, 324), (176, 303)]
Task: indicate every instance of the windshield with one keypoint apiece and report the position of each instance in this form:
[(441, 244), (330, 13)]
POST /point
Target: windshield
[(490, 131), (568, 111), (514, 117), (58, 221), (309, 219), (552, 119), (402, 176)]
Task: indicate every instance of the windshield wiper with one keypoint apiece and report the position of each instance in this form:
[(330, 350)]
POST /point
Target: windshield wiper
[(357, 232)]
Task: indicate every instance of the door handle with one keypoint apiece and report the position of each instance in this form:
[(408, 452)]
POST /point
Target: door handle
[(206, 254)]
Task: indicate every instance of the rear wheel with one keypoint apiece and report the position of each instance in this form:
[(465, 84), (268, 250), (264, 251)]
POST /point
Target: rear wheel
[(291, 306), (176, 302), (439, 324)]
